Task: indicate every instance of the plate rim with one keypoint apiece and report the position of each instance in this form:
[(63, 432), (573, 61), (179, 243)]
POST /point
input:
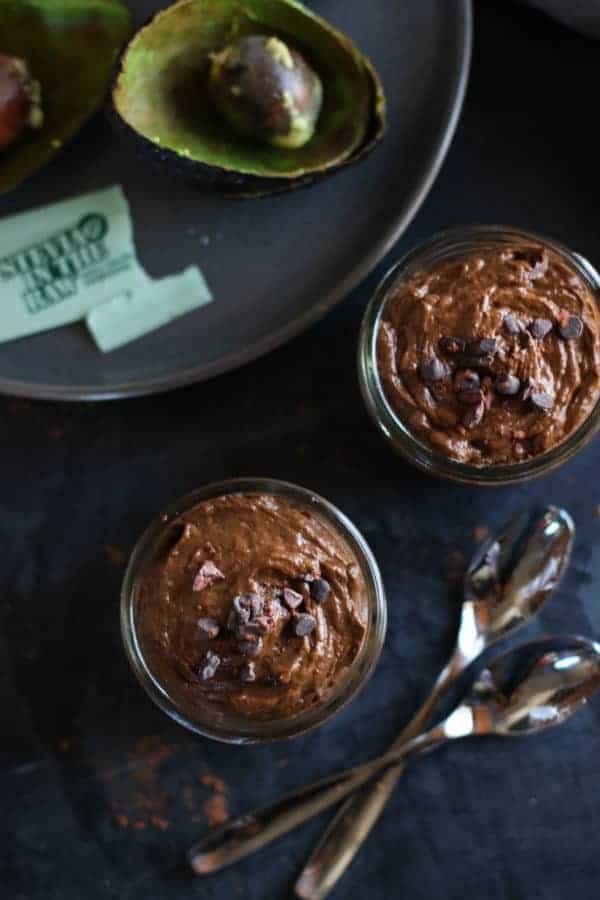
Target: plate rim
[(236, 359)]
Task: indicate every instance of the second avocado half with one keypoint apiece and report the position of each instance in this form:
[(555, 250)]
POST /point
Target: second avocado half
[(163, 102)]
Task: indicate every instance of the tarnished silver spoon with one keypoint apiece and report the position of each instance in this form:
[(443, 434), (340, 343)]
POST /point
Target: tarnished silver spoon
[(517, 570), (528, 689), (508, 580)]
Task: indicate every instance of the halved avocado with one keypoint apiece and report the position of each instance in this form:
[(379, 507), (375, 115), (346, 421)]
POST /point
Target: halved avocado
[(162, 101), (70, 47)]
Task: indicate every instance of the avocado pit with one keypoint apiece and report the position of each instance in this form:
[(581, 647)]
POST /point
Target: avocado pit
[(265, 89), (20, 100)]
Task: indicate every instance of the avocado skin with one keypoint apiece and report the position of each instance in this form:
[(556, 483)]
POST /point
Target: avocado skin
[(223, 181)]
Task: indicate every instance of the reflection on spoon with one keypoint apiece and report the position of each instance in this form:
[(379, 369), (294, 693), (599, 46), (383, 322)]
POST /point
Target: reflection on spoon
[(529, 689)]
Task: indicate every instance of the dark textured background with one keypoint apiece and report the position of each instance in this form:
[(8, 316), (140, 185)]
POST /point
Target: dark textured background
[(100, 793)]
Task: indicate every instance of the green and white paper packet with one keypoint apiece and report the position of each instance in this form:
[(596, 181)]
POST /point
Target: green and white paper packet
[(145, 308), (58, 262)]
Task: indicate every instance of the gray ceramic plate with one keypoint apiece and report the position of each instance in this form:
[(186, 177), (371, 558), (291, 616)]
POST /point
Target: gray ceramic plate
[(275, 265)]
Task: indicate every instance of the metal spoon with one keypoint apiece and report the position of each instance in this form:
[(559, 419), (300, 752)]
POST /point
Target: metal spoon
[(508, 580), (528, 689)]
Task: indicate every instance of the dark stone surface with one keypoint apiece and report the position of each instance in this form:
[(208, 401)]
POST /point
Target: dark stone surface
[(81, 745)]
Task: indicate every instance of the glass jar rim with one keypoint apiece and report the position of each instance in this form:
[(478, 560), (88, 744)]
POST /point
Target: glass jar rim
[(237, 730), (448, 243)]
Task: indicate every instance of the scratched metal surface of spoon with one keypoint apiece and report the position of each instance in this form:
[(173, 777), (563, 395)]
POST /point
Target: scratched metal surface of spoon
[(529, 689), (508, 580)]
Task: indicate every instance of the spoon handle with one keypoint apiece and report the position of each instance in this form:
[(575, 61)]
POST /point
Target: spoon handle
[(351, 825), (249, 833)]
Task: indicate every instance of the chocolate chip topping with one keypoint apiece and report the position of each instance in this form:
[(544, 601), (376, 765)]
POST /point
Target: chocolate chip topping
[(245, 619), (319, 590), (528, 388), (251, 646), (536, 259), (507, 384), (476, 362), (539, 328), (247, 605), (511, 325), (305, 624), (292, 599), (474, 415), (482, 346), (248, 672), (487, 388), (242, 608), (207, 573), (466, 380), (256, 626), (432, 369), (570, 327), (213, 661), (540, 401), (452, 344), (208, 628)]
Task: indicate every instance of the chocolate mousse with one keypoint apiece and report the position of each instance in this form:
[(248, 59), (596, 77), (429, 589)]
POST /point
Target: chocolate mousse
[(255, 607), (494, 357)]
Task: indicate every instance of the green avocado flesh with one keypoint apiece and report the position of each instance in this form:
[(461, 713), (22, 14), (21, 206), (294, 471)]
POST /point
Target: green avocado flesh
[(162, 90), (71, 47)]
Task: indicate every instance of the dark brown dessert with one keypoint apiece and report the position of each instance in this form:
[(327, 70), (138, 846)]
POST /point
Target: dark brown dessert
[(257, 608), (494, 357)]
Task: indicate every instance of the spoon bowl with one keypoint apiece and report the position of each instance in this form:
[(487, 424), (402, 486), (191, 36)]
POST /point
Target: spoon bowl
[(539, 685), (512, 575)]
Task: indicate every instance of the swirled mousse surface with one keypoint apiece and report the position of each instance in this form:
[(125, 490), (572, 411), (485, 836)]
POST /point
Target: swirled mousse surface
[(256, 607), (492, 357)]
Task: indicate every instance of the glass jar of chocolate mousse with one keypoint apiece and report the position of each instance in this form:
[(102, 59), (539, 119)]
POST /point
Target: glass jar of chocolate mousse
[(252, 610), (479, 355)]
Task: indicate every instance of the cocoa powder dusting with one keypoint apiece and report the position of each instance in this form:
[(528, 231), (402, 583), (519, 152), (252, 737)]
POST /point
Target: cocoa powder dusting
[(134, 790), (215, 808), (213, 781), (139, 798)]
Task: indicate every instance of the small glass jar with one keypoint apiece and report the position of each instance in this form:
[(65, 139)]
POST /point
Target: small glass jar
[(456, 243), (229, 728)]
